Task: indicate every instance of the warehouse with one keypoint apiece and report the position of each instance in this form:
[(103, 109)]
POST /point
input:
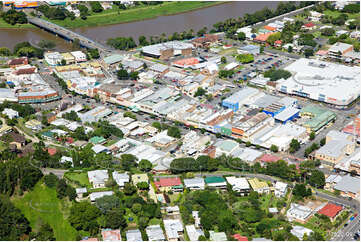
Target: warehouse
[(167, 50), (322, 81), (287, 114), (239, 98)]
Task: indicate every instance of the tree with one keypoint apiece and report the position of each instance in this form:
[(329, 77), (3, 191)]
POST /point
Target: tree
[(143, 40), (315, 236), (323, 141), (13, 224), (301, 191), (96, 7), (136, 208), (128, 161), (45, 233), (245, 58), (134, 75), (223, 60), (277, 74), (51, 180), (328, 32), (83, 216), (317, 179), (174, 132), (145, 165), (312, 135), (294, 146), (274, 148), (143, 186), (4, 51), (308, 52), (13, 17), (107, 203), (157, 125), (289, 49), (122, 74), (273, 37), (72, 116), (94, 53), (115, 218), (47, 44), (61, 188), (129, 189), (241, 36), (200, 92), (75, 44)]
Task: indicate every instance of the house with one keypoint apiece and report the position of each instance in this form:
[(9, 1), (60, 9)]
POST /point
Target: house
[(133, 235), (193, 232), (259, 186), (18, 62), (315, 16), (280, 189), (10, 113), (17, 139), (194, 183), (159, 68), (308, 26), (52, 151), (97, 140), (239, 237), (120, 178), (173, 229), (53, 58), (95, 195), (300, 231), (80, 192), (34, 125), (155, 233), (331, 181), (278, 43), (111, 235), (273, 210), (170, 183), (69, 58), (100, 148), (48, 135), (171, 210), (217, 236), (137, 178), (299, 213), (216, 181), (79, 56), (262, 38), (66, 159), (239, 184), (330, 210), (339, 50), (98, 178), (348, 186)]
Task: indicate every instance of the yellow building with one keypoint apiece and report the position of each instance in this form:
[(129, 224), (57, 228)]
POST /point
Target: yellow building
[(259, 186), (136, 178), (69, 58)]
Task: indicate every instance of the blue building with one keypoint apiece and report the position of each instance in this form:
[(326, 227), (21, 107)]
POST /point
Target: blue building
[(288, 114), (239, 98)]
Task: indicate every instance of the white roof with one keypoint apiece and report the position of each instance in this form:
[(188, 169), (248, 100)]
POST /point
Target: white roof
[(299, 231), (96, 195), (98, 176), (193, 233), (238, 182), (172, 227), (155, 233), (134, 235), (281, 186), (99, 148), (339, 46), (231, 66), (286, 113), (120, 178)]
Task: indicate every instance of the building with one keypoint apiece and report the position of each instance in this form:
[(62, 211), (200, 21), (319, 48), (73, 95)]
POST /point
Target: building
[(137, 178), (155, 233), (216, 181), (337, 146), (308, 26), (98, 178), (80, 192), (321, 81), (167, 50), (338, 50), (299, 213), (239, 184), (194, 183), (173, 229), (259, 186), (159, 68), (262, 38), (120, 178), (240, 98), (249, 49), (111, 235), (69, 58), (53, 58), (330, 210), (318, 117), (349, 187), (170, 183), (217, 236), (134, 235), (79, 56), (10, 113), (95, 195), (38, 96), (288, 114), (96, 114), (193, 232), (300, 231), (18, 62), (280, 189)]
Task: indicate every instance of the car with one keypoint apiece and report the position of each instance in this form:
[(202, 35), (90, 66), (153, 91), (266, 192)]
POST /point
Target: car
[(345, 225)]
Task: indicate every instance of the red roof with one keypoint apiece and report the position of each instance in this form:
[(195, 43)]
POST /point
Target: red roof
[(309, 25), (330, 210), (263, 37), (270, 28), (278, 42), (322, 52), (69, 140), (168, 182), (240, 237), (51, 151), (18, 61), (269, 158)]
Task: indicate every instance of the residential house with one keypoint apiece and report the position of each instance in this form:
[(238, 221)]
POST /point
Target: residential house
[(330, 210), (349, 187), (217, 236), (155, 233), (80, 192), (331, 181), (280, 189), (259, 186), (299, 213), (239, 184), (10, 113), (194, 183), (300, 231), (98, 178), (111, 235), (173, 229), (34, 125), (134, 235), (193, 232), (308, 26), (169, 183), (216, 181), (120, 178), (95, 195), (137, 178)]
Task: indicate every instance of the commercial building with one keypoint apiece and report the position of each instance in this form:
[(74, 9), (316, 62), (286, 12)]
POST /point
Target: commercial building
[(338, 50), (349, 186), (240, 98), (53, 58), (41, 96), (288, 114), (322, 81), (167, 50), (319, 117), (249, 49), (337, 146), (95, 114)]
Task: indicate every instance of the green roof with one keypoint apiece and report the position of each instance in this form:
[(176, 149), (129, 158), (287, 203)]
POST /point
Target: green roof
[(113, 59), (97, 140), (177, 187), (48, 134), (321, 116), (313, 109), (227, 145), (214, 179)]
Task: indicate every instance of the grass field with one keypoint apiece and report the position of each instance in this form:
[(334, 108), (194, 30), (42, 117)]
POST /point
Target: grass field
[(81, 177), (41, 204), (5, 25), (335, 14), (113, 16)]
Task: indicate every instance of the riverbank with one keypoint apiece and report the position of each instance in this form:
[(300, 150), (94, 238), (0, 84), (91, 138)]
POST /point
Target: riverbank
[(4, 25), (113, 16)]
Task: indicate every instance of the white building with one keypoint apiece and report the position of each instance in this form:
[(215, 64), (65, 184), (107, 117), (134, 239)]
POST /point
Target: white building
[(134, 235), (79, 56), (194, 183), (280, 189), (239, 184), (322, 81), (95, 195), (155, 233), (98, 178), (10, 113), (300, 231), (173, 228), (120, 178), (193, 233), (53, 58), (299, 213)]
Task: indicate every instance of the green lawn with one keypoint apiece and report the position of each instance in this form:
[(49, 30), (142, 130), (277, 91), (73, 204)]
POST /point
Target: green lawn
[(80, 177), (336, 13), (113, 16), (5, 25), (41, 204)]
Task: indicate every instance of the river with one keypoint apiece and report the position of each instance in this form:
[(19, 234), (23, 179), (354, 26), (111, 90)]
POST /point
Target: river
[(164, 24)]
